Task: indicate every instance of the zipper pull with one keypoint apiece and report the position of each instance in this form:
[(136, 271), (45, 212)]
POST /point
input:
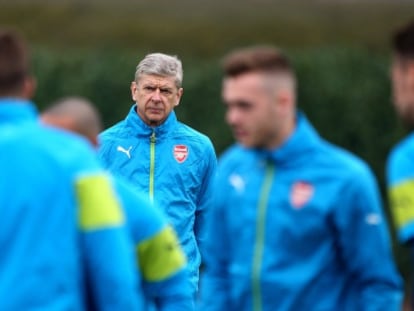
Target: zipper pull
[(152, 138)]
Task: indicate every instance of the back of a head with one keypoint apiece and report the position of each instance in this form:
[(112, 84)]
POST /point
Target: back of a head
[(161, 65), (403, 41), (265, 59), (14, 62), (75, 114)]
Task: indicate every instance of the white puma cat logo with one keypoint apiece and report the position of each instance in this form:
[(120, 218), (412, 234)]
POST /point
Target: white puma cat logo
[(126, 151)]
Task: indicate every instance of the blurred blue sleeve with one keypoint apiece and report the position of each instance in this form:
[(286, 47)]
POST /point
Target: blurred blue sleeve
[(365, 244), (107, 252)]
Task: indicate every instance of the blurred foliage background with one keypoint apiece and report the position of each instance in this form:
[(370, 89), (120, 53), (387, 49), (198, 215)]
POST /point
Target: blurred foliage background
[(340, 50)]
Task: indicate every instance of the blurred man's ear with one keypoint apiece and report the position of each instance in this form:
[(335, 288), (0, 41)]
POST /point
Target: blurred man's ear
[(286, 99), (179, 94), (29, 87)]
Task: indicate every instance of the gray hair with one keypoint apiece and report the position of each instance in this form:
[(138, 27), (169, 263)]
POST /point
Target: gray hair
[(161, 65)]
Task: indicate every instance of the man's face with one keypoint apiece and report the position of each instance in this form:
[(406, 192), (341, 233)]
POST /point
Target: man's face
[(252, 110), (402, 75), (155, 96)]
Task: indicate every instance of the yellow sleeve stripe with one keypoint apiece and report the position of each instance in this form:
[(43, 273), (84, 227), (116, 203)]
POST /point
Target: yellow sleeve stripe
[(402, 202), (98, 206), (160, 256)]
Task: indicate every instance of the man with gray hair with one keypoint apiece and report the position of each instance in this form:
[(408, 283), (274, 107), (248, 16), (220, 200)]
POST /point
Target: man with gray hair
[(163, 157), (162, 267)]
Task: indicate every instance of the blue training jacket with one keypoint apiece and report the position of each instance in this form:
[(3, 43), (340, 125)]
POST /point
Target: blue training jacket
[(300, 227), (400, 180), (174, 165), (60, 221)]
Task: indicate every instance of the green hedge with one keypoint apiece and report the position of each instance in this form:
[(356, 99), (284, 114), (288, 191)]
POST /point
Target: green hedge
[(344, 91)]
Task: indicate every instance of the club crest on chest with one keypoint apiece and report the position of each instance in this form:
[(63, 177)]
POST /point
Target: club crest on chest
[(180, 153), (301, 192)]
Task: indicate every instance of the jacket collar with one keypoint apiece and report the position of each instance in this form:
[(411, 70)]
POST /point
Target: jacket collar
[(140, 128), (14, 110), (297, 147)]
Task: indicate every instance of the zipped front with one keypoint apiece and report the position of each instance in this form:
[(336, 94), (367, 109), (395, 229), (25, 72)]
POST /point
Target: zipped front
[(152, 165), (260, 236)]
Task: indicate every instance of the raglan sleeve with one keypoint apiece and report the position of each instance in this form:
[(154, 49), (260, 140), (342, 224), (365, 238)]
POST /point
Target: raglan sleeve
[(365, 244)]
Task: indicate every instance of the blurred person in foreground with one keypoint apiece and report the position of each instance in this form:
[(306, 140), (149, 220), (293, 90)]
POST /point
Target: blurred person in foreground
[(163, 157), (297, 222), (161, 261), (60, 219), (400, 163)]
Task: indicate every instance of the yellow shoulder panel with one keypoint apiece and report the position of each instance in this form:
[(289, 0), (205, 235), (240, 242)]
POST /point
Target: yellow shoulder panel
[(160, 256), (99, 207), (402, 202)]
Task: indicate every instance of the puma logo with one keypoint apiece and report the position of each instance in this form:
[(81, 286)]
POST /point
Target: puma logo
[(126, 151)]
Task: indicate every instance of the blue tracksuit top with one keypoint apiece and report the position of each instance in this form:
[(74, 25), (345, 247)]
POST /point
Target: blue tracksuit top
[(400, 182), (60, 221), (298, 228), (174, 165)]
